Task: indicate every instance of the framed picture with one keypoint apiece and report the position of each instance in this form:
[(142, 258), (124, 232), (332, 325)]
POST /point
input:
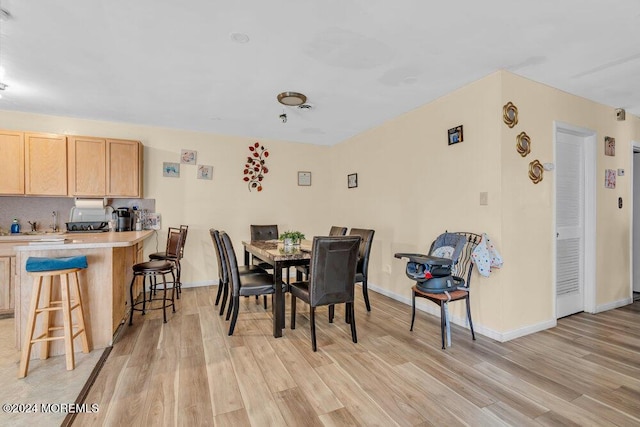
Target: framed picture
[(304, 178), (352, 180), (171, 170), (205, 172), (609, 178), (609, 146), (455, 135), (188, 157)]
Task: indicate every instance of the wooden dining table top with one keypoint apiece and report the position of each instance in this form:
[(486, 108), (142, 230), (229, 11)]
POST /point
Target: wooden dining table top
[(274, 250)]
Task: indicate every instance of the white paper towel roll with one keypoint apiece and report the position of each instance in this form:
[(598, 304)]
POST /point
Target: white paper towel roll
[(91, 203)]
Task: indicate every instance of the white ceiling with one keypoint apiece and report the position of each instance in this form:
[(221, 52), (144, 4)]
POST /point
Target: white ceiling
[(360, 62)]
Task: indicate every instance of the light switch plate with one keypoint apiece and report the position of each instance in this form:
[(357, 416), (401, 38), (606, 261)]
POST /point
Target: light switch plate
[(484, 198)]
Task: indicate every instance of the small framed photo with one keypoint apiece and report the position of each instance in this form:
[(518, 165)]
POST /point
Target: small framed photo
[(188, 157), (609, 146), (352, 180), (171, 170), (304, 178), (609, 178), (205, 172), (455, 135)]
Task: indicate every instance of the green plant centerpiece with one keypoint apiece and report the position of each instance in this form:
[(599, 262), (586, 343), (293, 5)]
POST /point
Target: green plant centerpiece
[(291, 237)]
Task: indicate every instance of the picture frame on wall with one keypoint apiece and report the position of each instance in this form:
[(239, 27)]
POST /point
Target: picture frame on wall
[(304, 178), (455, 135), (609, 146), (171, 170), (188, 157), (205, 172), (352, 180), (610, 178)]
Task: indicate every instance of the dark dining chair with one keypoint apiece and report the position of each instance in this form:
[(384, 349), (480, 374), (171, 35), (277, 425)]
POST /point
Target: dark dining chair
[(164, 256), (331, 279), (304, 269), (263, 232), (362, 272), (242, 285), (223, 273)]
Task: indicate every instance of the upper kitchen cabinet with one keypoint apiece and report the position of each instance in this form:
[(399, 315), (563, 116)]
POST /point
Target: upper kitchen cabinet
[(87, 166), (11, 162), (45, 157), (124, 168), (104, 167)]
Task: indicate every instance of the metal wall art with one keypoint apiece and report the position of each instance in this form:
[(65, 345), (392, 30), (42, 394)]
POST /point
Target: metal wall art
[(523, 144), (535, 171), (255, 168), (510, 114)]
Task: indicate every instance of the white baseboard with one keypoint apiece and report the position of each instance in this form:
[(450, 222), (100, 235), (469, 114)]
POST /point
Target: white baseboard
[(614, 304), (200, 284), (462, 321)]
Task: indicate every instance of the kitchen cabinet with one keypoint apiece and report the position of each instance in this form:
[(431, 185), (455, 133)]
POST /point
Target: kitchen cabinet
[(102, 167), (45, 158), (7, 284), (11, 162), (124, 168), (87, 166)]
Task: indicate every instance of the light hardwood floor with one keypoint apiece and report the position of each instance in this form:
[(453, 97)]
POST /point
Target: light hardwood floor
[(188, 372)]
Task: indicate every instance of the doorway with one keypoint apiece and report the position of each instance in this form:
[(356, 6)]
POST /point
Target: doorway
[(635, 235), (574, 220)]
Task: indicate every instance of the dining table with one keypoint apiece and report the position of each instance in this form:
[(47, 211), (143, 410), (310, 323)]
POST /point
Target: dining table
[(280, 257)]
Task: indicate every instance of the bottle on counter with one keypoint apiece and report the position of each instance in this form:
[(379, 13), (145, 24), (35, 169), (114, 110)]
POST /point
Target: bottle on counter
[(15, 226)]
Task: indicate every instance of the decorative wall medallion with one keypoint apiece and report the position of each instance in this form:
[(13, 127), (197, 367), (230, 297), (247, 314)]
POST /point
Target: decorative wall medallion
[(510, 114), (523, 144), (535, 171), (255, 168)]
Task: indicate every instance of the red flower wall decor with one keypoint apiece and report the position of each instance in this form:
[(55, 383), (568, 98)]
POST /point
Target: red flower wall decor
[(255, 168)]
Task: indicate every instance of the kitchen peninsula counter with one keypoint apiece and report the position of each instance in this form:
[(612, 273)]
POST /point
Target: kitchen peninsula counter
[(103, 285)]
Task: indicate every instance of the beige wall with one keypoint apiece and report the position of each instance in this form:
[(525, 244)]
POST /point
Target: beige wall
[(411, 186), (224, 202)]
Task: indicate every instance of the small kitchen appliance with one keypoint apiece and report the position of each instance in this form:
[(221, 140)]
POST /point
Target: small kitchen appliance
[(124, 219)]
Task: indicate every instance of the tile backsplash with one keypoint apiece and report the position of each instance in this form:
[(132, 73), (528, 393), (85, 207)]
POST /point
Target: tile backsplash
[(40, 210)]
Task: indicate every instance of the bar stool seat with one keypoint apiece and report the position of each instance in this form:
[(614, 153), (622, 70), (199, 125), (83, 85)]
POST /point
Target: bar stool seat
[(40, 268), (151, 269)]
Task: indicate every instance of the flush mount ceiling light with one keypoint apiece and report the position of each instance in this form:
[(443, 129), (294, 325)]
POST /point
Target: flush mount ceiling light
[(292, 99)]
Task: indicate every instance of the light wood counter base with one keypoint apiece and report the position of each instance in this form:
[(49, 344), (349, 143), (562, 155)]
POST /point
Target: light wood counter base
[(103, 285)]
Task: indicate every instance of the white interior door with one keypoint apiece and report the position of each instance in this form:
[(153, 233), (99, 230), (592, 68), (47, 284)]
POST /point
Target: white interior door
[(570, 214)]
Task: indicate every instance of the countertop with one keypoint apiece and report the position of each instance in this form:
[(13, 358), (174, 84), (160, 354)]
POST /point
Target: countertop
[(36, 242)]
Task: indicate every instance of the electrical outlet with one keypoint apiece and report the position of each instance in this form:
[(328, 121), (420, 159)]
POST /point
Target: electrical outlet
[(484, 198)]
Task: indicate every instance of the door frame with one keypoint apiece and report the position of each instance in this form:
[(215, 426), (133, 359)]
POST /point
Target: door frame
[(635, 148), (590, 172)]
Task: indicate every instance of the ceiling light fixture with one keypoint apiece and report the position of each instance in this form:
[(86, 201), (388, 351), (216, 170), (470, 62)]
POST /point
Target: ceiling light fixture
[(291, 99)]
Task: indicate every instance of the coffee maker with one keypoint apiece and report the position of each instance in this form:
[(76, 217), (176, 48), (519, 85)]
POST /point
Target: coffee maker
[(123, 219)]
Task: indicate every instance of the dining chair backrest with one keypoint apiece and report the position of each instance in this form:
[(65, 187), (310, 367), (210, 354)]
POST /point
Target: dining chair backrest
[(174, 243), (220, 256), (232, 263), (366, 237), (264, 232), (184, 229), (337, 231), (333, 269)]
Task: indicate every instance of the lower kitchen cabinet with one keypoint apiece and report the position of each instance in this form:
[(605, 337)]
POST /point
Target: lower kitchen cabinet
[(7, 284)]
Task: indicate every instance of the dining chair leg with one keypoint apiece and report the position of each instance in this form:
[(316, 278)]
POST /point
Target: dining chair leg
[(293, 312), (443, 322), (232, 301), (225, 295), (350, 308), (265, 301), (312, 322), (236, 308), (331, 312), (413, 308), (365, 293), (219, 294), (473, 335)]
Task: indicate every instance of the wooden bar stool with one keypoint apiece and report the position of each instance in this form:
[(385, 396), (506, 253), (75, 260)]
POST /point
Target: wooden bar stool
[(65, 268)]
